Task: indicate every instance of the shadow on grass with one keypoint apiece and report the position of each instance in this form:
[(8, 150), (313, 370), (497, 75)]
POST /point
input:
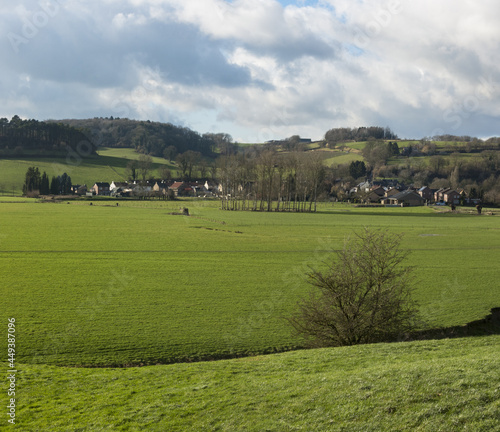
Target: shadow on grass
[(489, 325)]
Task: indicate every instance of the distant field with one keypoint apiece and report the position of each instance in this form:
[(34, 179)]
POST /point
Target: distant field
[(465, 157), (130, 154), (131, 284), (343, 158), (109, 166), (359, 145)]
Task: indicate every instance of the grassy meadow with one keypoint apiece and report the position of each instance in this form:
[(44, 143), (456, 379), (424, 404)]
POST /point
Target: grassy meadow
[(447, 385), (97, 287), (132, 284)]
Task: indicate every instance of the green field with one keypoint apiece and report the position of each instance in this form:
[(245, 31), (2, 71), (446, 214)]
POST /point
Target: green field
[(360, 145), (109, 166), (447, 385), (108, 285), (343, 158), (132, 284)]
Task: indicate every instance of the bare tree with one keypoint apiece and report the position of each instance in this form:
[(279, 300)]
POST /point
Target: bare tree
[(364, 295), (145, 162), (131, 170), (170, 153), (266, 169), (316, 173), (165, 173), (187, 161), (183, 162)]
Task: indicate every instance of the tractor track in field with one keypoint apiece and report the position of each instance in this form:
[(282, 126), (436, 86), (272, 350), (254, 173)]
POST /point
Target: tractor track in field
[(73, 251)]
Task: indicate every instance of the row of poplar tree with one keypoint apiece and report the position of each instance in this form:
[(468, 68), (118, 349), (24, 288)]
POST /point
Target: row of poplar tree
[(271, 181), (39, 184)]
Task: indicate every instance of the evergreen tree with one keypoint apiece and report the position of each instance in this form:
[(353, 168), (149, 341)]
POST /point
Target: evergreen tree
[(393, 148), (54, 186), (357, 169), (65, 184), (44, 184), (32, 180)]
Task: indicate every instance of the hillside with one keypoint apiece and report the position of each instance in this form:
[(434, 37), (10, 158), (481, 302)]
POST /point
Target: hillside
[(468, 165), (34, 138), (145, 136), (472, 167), (446, 385), (107, 165)]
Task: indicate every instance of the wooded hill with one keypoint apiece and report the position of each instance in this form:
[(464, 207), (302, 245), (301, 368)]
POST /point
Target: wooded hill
[(54, 137), (154, 138), (42, 139)]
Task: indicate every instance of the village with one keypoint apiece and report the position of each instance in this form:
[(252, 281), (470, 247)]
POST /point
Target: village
[(149, 189), (398, 195), (366, 192)]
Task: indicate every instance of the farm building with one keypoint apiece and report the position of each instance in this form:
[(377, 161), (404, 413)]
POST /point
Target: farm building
[(392, 191), (162, 186), (375, 194), (79, 189)]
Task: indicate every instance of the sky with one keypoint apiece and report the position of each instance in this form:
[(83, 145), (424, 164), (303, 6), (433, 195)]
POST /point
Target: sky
[(257, 69)]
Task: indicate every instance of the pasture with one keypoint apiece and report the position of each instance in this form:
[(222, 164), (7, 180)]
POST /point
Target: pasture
[(428, 386), (109, 165), (343, 158), (108, 285)]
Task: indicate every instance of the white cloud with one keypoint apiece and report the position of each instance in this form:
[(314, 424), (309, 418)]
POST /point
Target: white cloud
[(256, 66)]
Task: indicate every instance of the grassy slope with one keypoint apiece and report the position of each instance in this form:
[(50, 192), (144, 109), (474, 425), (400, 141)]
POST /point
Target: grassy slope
[(344, 158), (117, 285), (109, 166), (448, 385), (424, 160)]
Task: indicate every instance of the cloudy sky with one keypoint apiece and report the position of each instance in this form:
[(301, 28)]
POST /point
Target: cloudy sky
[(257, 69)]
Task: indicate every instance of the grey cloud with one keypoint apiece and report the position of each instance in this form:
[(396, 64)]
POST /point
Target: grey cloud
[(70, 50), (287, 50), (80, 63), (186, 56)]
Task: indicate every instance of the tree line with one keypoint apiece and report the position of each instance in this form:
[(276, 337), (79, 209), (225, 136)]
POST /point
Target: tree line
[(40, 138), (153, 138), (338, 135), (36, 183), (270, 181)]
